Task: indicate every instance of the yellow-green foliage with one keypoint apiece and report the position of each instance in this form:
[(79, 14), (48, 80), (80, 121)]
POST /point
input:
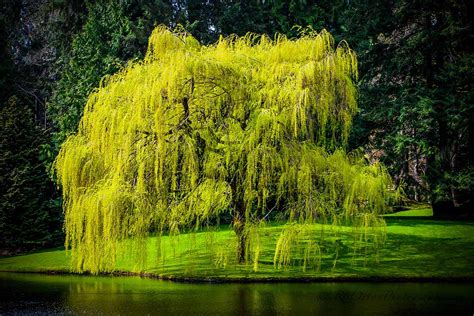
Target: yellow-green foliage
[(192, 131)]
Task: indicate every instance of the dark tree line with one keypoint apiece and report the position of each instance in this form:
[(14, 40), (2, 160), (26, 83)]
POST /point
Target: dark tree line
[(415, 90)]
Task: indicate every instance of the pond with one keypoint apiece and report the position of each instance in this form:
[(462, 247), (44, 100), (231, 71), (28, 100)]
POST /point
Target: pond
[(69, 294)]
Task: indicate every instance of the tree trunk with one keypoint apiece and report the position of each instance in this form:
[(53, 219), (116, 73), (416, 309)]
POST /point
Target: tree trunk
[(241, 239), (239, 229)]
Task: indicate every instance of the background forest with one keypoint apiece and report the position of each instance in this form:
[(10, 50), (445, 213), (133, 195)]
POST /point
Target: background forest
[(415, 91)]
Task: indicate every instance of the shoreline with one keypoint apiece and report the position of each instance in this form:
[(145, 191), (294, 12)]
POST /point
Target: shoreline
[(219, 280)]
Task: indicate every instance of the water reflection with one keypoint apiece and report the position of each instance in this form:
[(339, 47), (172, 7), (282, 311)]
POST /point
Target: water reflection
[(43, 294)]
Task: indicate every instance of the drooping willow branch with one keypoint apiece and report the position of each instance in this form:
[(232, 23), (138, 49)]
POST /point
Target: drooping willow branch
[(256, 121)]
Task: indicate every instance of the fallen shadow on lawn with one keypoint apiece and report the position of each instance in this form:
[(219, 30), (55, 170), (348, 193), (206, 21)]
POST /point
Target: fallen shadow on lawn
[(426, 256), (411, 221)]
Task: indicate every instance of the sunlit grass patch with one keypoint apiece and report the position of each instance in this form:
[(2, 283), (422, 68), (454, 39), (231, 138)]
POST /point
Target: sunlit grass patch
[(413, 248)]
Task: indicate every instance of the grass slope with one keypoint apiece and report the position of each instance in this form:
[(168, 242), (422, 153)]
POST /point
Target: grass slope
[(414, 248), (415, 210)]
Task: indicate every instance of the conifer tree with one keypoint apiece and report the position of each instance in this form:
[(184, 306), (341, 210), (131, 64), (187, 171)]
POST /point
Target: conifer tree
[(27, 219)]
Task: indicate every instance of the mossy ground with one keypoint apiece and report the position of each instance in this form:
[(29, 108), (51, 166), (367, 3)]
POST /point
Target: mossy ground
[(415, 248)]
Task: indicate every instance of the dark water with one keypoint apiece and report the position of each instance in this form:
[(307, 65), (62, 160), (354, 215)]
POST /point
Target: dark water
[(44, 294)]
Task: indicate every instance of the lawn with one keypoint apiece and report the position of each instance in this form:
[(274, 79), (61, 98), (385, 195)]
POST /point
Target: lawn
[(414, 210), (414, 248)]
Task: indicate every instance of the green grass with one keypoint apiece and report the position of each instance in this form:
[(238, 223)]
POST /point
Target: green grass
[(414, 210), (421, 212), (414, 248)]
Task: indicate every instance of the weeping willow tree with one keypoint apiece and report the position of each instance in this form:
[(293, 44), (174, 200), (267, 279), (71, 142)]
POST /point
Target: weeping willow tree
[(249, 125)]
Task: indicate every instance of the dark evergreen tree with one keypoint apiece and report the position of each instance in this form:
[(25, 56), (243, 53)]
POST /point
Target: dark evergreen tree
[(28, 219), (417, 100)]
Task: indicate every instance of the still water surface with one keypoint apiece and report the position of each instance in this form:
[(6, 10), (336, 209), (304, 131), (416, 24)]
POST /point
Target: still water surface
[(45, 294)]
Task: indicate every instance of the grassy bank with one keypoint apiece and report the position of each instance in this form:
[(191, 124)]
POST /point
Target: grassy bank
[(414, 210), (415, 248)]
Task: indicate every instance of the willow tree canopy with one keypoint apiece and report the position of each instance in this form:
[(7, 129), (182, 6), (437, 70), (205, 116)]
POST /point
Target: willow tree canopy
[(247, 126)]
